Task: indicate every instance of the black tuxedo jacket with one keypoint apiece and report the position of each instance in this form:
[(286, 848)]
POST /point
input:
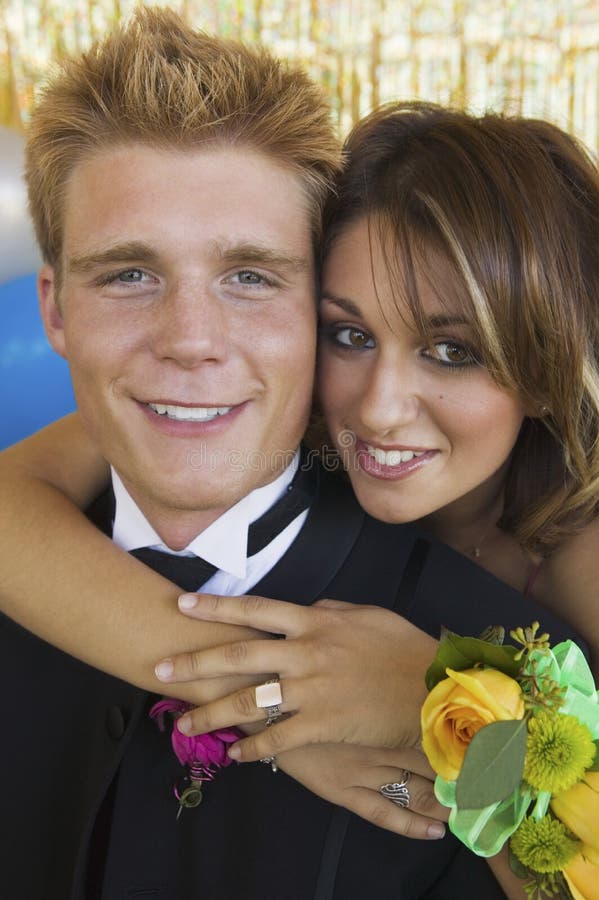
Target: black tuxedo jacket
[(72, 735)]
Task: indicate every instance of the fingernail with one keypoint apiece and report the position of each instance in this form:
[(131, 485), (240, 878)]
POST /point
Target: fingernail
[(435, 831), (184, 724), (164, 669), (188, 601), (234, 752)]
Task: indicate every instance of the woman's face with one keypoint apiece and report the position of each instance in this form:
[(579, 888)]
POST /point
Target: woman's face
[(418, 427)]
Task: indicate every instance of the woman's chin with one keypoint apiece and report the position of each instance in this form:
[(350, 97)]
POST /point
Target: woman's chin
[(384, 509)]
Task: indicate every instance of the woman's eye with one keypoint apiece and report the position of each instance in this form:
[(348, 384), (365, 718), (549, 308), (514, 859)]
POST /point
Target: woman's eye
[(452, 354), (354, 338)]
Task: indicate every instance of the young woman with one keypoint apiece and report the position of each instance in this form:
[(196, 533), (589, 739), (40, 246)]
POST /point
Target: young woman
[(459, 377), (458, 372)]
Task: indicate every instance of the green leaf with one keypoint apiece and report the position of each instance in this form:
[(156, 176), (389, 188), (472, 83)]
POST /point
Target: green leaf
[(595, 766), (493, 764), (561, 891), (493, 634), (456, 652), (516, 866)]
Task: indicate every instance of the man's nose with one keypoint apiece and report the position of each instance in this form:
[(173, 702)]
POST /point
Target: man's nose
[(191, 327), (391, 398)]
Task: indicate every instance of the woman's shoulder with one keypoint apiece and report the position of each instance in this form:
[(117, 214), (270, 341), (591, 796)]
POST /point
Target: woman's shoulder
[(568, 583), (574, 564)]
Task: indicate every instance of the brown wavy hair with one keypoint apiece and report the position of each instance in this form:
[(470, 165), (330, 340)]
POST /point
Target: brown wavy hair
[(513, 206), (157, 81)]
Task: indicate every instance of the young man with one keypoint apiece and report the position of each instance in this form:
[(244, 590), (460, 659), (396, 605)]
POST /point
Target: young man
[(175, 182)]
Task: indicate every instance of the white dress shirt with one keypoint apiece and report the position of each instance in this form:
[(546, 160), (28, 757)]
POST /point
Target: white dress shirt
[(224, 542)]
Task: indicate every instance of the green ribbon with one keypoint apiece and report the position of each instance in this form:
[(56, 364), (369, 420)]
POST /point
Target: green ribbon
[(485, 831), (567, 666)]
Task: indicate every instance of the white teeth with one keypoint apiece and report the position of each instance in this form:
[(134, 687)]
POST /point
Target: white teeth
[(392, 457), (190, 413)]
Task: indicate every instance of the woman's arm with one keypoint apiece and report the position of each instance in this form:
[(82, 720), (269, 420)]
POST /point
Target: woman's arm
[(512, 886), (61, 455), (66, 582)]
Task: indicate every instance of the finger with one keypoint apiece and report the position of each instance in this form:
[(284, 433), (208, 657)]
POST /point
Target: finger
[(288, 734), (275, 616), (237, 658), (421, 792), (375, 808), (209, 689), (336, 604), (408, 759), (235, 709)]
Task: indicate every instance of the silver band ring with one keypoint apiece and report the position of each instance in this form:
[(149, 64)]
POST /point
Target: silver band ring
[(272, 762), (397, 791), (269, 698), (274, 713)]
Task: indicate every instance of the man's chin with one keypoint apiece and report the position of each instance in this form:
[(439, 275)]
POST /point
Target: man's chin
[(182, 498)]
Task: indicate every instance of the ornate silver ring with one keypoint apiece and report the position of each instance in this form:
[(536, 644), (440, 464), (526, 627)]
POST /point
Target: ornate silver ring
[(397, 791)]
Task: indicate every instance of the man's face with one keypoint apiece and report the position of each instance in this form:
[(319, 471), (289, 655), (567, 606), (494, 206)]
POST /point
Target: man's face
[(187, 314)]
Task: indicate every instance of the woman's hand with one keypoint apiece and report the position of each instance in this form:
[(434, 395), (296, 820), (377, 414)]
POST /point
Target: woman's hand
[(351, 776), (348, 673)]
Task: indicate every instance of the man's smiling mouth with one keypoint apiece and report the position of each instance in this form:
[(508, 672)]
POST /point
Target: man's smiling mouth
[(189, 413)]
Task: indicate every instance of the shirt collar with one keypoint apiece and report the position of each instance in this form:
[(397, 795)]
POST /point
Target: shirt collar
[(223, 543)]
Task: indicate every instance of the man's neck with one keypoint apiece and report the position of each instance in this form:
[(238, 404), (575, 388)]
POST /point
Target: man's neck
[(178, 527)]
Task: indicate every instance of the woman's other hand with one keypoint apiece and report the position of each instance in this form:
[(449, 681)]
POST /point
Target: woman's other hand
[(351, 776)]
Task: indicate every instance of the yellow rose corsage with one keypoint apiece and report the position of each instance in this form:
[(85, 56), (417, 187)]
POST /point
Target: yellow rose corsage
[(513, 733)]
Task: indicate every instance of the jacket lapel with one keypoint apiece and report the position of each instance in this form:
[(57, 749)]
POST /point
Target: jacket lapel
[(322, 547)]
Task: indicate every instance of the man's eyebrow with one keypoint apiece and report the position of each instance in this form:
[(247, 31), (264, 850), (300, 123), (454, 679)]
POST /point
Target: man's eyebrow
[(259, 254), (348, 306), (117, 253), (143, 253)]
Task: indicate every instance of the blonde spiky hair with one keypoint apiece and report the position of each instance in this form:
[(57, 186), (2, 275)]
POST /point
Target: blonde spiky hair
[(155, 80)]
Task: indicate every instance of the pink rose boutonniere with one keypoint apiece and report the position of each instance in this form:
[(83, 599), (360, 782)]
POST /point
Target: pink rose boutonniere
[(202, 754)]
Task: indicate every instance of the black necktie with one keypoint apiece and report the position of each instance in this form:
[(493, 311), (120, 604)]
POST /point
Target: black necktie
[(191, 572)]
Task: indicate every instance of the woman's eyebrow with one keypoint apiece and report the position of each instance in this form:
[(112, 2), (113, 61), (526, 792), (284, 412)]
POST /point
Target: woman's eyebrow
[(346, 305), (441, 321)]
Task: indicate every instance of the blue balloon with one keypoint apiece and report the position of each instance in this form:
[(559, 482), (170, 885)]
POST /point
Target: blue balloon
[(35, 385)]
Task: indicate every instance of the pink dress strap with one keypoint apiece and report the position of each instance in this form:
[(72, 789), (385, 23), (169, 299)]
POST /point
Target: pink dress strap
[(532, 577)]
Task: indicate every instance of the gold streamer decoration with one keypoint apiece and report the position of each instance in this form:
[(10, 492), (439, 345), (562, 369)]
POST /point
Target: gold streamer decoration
[(536, 57)]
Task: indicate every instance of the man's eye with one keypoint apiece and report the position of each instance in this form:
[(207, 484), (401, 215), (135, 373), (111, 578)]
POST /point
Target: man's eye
[(130, 276), (124, 276), (247, 276), (354, 338)]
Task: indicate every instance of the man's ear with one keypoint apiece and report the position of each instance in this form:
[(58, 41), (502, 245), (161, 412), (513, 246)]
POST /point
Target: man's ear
[(50, 310)]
